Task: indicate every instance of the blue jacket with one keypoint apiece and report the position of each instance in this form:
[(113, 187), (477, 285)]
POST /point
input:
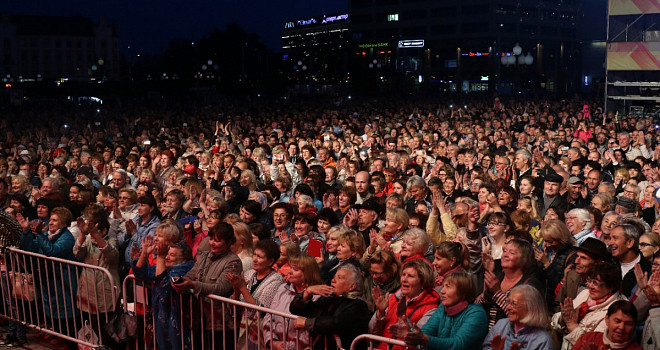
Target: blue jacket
[(463, 331), (135, 240), (59, 282), (530, 338), (167, 305)]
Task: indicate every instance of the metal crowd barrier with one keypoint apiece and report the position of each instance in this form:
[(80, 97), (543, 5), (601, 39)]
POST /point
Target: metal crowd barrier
[(43, 293), (219, 323), (376, 339)]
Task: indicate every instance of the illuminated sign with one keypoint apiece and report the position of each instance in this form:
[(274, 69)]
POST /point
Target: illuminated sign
[(475, 54), (403, 44), (312, 21), (370, 45)]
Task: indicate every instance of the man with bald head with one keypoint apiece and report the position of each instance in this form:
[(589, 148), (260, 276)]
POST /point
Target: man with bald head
[(362, 186)]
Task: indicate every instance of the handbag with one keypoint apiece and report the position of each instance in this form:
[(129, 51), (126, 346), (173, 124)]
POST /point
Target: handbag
[(87, 334), (121, 327), (23, 286)]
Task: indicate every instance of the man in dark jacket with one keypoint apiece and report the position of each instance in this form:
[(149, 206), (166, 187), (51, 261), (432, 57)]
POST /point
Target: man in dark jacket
[(623, 244), (340, 310)]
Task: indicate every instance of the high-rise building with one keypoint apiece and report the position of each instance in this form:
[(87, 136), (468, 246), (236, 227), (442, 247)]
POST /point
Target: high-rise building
[(317, 50), (48, 47), (467, 45)]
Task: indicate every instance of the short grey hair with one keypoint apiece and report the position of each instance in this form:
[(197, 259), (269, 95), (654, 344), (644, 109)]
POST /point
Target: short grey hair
[(420, 238), (537, 313), (584, 216), (525, 154), (307, 200), (630, 231), (356, 277), (417, 181)]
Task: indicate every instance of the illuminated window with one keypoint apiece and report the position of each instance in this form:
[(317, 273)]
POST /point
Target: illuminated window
[(393, 17)]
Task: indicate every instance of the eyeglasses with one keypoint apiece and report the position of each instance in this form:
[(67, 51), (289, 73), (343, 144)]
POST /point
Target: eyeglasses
[(595, 283), (493, 223), (644, 245), (124, 198)]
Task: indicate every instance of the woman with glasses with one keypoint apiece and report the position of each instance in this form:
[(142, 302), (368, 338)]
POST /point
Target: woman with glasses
[(525, 324), (587, 312), (498, 225), (649, 244)]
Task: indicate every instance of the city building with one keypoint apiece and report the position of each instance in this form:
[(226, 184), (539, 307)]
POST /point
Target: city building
[(57, 48), (467, 45), (317, 50)]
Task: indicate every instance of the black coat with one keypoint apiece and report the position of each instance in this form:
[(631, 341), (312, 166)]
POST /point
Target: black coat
[(630, 281), (331, 315)]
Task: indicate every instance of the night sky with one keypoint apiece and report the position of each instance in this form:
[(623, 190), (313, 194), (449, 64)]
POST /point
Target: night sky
[(147, 26)]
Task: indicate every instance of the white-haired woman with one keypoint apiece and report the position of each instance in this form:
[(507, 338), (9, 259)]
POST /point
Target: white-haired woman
[(524, 327), (578, 222), (415, 245)]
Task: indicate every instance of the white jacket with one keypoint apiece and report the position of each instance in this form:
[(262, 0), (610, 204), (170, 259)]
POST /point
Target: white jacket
[(593, 321)]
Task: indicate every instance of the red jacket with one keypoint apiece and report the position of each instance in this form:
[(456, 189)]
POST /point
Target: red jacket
[(428, 300)]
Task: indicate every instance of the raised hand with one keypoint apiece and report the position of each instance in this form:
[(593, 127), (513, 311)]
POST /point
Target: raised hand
[(380, 300), (25, 224), (351, 218), (497, 343), (148, 245), (569, 314), (491, 281)]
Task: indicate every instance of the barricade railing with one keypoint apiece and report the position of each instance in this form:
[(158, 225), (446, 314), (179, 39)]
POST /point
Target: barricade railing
[(215, 322), (59, 297), (375, 339)]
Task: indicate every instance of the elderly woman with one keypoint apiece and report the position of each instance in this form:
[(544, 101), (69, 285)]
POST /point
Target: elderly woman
[(610, 221), (339, 311), (209, 276), (415, 244), (558, 252), (416, 294), (58, 286), (384, 270), (517, 264), (602, 202), (173, 260), (457, 324), (649, 244), (620, 320), (450, 257), (578, 222), (277, 333), (304, 232), (350, 247), (524, 327), (97, 245), (587, 312)]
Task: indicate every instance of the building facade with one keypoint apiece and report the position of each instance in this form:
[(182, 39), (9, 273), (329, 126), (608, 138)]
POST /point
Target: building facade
[(467, 45), (316, 50), (57, 48)]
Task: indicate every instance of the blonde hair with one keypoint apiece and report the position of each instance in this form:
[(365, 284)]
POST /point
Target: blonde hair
[(243, 235), (399, 216)]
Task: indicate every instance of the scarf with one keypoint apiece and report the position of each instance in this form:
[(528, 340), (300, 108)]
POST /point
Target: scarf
[(583, 309), (439, 279), (52, 236), (456, 308)]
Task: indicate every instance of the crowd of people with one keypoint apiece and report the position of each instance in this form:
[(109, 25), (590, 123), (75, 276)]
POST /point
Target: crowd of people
[(498, 224)]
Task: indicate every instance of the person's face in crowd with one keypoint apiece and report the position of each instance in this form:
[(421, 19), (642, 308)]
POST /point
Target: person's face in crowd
[(574, 190), (246, 216), (342, 282), (575, 170), (377, 272), (597, 203), (551, 188), (510, 257), (482, 197), (306, 154), (411, 283), (497, 229), (629, 193), (174, 257), (619, 244), (173, 204), (118, 180), (165, 161), (584, 263), (217, 246), (399, 189), (597, 289), (16, 185), (656, 227), (343, 199), (391, 226), (520, 162), (609, 222), (620, 327), (323, 226), (260, 261), (624, 140), (366, 217), (74, 194), (647, 247), (474, 185), (55, 223), (42, 211), (442, 264), (525, 188), (516, 308), (144, 210), (362, 182), (574, 224), (504, 198), (344, 250), (486, 162), (408, 247), (47, 187), (418, 193), (449, 295), (296, 274)]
